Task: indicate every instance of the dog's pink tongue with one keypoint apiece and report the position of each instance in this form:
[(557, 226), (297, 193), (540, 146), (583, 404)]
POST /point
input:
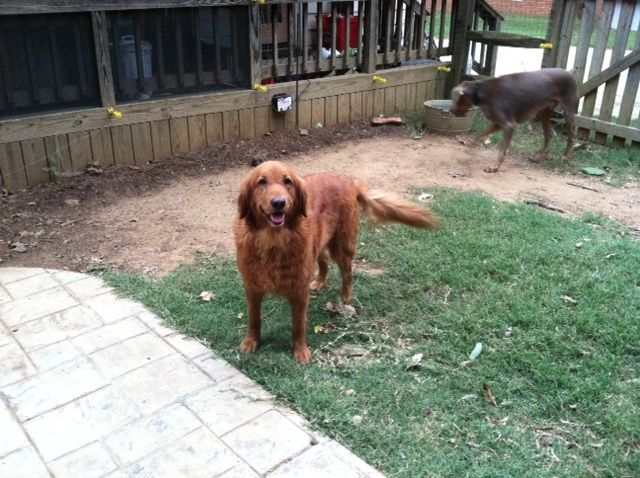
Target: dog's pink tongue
[(277, 218)]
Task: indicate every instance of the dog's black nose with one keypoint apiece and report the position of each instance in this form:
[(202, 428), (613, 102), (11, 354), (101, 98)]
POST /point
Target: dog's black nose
[(278, 203)]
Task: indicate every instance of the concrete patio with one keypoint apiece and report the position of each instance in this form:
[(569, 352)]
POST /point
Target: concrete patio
[(94, 385)]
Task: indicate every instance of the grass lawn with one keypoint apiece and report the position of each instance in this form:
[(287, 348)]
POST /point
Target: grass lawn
[(554, 302)]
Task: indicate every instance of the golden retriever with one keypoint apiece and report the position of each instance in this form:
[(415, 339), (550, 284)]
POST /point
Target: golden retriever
[(287, 224)]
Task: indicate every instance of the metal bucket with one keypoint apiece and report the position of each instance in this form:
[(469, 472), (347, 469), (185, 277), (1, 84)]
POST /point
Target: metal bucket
[(438, 117)]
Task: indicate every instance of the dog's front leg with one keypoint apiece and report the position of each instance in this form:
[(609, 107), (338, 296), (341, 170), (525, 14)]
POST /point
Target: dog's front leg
[(252, 339), (506, 141), (299, 305)]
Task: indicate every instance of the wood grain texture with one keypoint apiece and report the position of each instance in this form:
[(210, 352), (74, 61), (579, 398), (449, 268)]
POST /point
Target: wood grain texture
[(161, 139), (142, 143), (230, 125), (101, 146), (247, 123), (179, 128), (122, 146), (215, 130), (197, 132), (34, 158), (80, 149), (12, 169), (103, 58)]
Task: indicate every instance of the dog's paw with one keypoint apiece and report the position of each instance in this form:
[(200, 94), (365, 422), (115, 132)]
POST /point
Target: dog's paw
[(317, 284), (302, 355), (249, 345)]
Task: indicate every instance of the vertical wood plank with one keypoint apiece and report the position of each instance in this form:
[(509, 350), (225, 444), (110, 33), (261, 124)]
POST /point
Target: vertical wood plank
[(584, 40), (619, 47), (214, 128), (331, 110), (319, 38), (370, 56), (566, 34), (367, 103), (463, 13), (197, 132), (304, 114), (401, 98), (101, 146), (57, 149), (317, 112), (12, 167), (421, 93), (122, 146), (230, 125), (247, 124), (80, 150), (630, 92), (276, 121), (179, 135), (378, 101), (355, 110), (289, 120), (161, 139), (34, 158), (261, 118), (411, 97), (142, 143), (390, 100), (344, 108)]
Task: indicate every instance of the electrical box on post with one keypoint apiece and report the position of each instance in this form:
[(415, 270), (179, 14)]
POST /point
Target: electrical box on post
[(282, 103)]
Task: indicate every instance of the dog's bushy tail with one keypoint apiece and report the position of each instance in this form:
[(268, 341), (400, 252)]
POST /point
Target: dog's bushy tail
[(382, 208)]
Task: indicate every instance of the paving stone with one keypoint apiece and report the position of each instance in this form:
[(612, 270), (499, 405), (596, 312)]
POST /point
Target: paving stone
[(187, 346), (155, 323), (199, 454), (326, 460), (88, 287), (12, 437), (237, 410), (31, 285), (241, 470), (150, 433), (161, 382), (132, 353), (23, 463), (267, 441), (117, 474), (12, 274), (215, 368), (51, 356), (14, 364), (245, 387), (5, 336), (4, 295), (66, 277), (109, 335), (56, 327), (80, 422), (35, 306), (47, 390), (92, 461), (113, 308)]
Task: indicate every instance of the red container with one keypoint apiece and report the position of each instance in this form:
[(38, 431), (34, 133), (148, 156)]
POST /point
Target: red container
[(341, 31)]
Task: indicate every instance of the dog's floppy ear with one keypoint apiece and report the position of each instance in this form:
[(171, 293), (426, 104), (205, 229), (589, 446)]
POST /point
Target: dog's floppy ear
[(245, 211), (300, 205)]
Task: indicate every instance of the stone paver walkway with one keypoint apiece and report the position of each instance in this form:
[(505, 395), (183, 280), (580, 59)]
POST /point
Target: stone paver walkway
[(93, 385)]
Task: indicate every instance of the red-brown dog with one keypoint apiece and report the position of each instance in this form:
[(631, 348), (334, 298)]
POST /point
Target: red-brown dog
[(287, 224)]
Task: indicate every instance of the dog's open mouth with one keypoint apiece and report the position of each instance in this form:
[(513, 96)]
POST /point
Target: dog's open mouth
[(276, 219)]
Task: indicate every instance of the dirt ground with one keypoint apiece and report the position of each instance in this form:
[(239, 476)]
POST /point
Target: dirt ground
[(153, 218)]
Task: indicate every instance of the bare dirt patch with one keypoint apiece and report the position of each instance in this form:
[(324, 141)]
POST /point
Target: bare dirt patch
[(153, 219)]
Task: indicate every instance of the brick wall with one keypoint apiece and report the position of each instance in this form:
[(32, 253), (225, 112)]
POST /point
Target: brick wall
[(541, 8)]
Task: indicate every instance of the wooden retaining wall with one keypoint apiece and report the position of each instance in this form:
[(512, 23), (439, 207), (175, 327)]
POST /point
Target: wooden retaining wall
[(33, 149)]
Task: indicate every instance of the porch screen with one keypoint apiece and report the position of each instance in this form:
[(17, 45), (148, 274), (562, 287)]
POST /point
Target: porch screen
[(157, 53), (47, 62)]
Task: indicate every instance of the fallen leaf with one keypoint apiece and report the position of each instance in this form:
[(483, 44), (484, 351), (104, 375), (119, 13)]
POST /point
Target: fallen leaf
[(609, 256), (318, 125), (304, 132), (206, 296), (487, 141), (356, 420), (240, 316), (573, 406), (425, 197), (508, 332), (322, 329), (72, 202), (596, 445), (476, 351), (488, 396), (414, 362), (579, 245), (568, 300), (329, 307), (349, 392), (345, 310), (18, 246)]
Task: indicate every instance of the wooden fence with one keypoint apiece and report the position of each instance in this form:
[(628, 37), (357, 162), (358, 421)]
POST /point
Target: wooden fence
[(607, 51), (33, 150)]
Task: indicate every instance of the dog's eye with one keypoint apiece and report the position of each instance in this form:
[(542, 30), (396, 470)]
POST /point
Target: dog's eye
[(262, 181), (287, 181)]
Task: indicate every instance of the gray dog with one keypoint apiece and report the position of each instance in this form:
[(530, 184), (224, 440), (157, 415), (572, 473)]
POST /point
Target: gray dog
[(509, 100)]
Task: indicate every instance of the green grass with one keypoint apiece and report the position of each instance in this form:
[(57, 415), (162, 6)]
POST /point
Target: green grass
[(566, 377), (622, 164)]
